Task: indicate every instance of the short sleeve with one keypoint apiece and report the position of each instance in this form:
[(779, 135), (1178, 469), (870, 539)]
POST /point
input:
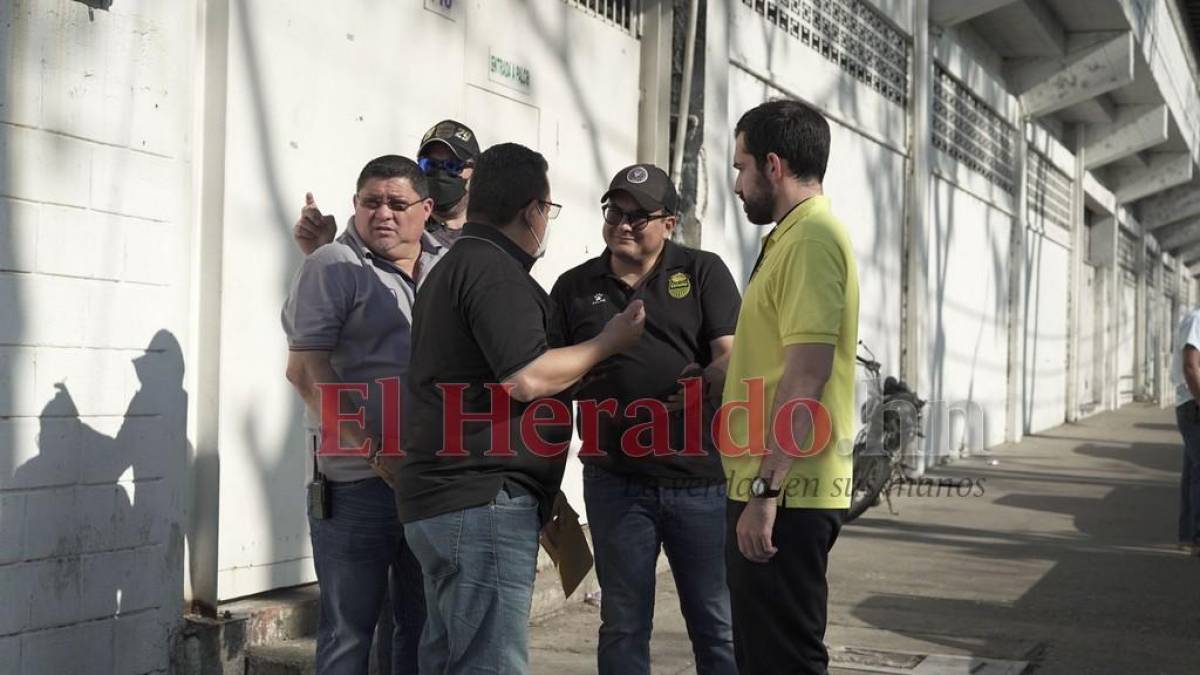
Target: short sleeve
[(1192, 334), (810, 293), (507, 322), (320, 299), (720, 300)]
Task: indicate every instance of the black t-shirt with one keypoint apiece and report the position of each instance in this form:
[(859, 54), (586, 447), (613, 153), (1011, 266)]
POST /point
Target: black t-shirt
[(691, 299), (478, 319)]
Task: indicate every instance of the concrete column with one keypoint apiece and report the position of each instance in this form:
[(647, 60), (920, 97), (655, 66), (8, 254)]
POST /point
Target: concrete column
[(1075, 274), (200, 572), (1014, 423), (916, 239), (1141, 322), (654, 112)]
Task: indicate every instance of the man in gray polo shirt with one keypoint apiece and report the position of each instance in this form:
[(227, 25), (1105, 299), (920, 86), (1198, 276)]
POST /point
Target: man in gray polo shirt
[(348, 318)]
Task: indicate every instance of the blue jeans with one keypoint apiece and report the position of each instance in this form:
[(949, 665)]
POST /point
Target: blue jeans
[(630, 521), (479, 566), (359, 553), (1188, 418)]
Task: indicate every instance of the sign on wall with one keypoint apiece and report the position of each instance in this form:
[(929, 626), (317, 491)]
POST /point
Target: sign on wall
[(505, 71), (447, 8)]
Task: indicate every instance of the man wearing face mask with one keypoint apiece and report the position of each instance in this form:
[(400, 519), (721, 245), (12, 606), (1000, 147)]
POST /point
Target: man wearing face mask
[(476, 484), (447, 157), (668, 494)]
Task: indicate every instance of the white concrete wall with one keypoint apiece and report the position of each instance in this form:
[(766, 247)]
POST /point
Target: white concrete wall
[(386, 73), (966, 356), (865, 178), (1047, 269), (94, 222)]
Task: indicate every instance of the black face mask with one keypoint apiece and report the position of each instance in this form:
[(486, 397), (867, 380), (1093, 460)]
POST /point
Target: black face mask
[(445, 188)]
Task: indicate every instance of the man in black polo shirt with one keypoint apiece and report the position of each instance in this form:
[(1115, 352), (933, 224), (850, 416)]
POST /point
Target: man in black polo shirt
[(644, 492), (473, 494)]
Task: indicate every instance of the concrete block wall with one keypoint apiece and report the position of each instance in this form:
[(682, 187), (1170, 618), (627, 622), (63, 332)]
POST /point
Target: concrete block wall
[(94, 219)]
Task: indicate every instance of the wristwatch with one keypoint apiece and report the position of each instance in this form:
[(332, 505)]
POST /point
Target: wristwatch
[(760, 488)]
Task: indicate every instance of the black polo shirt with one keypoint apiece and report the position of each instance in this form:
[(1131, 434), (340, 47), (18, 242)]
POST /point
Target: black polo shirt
[(691, 299), (478, 319)]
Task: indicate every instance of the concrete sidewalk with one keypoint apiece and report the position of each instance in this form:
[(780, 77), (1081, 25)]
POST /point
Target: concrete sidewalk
[(1062, 555)]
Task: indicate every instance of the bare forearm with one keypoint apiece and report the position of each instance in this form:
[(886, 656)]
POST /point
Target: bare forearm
[(305, 379), (1191, 375), (557, 369), (777, 462)]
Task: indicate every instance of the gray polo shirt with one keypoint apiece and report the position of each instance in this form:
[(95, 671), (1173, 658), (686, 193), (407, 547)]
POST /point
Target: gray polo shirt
[(347, 301)]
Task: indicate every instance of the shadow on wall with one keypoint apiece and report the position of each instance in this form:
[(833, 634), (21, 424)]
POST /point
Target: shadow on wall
[(119, 542)]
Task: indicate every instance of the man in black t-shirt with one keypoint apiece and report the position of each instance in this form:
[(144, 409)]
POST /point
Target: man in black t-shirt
[(649, 488), (481, 471)]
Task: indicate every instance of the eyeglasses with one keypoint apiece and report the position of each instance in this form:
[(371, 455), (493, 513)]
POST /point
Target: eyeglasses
[(372, 203), (638, 220), (453, 166), (552, 209)]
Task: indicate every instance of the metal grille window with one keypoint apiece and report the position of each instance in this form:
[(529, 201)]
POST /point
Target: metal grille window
[(971, 132), (851, 34), (1127, 253), (624, 14), (1048, 192), (1170, 279), (1153, 269)]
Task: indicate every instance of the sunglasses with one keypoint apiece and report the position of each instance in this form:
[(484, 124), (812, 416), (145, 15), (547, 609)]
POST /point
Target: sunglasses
[(453, 166), (638, 220)]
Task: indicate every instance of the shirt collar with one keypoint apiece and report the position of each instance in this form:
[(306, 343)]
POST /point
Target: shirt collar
[(497, 237), (813, 205), (672, 256), (430, 246)]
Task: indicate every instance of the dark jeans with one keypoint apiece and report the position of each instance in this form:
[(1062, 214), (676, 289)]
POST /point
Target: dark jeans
[(479, 567), (779, 607), (630, 521), (359, 554), (1188, 418)]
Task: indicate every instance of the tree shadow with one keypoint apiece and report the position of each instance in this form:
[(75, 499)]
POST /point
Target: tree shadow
[(1108, 594)]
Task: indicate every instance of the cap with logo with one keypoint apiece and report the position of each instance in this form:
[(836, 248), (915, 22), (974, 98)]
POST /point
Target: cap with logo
[(648, 185), (454, 135)]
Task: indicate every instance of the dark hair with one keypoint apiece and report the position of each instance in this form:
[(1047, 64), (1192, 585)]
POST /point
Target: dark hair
[(507, 177), (395, 166), (794, 131)]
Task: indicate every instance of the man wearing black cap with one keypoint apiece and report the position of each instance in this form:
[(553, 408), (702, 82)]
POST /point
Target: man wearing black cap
[(647, 491), (447, 157)]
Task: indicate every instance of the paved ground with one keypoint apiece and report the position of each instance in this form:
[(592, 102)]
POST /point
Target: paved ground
[(1066, 560)]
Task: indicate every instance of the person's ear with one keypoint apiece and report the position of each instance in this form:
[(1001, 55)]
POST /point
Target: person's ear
[(427, 207), (774, 166)]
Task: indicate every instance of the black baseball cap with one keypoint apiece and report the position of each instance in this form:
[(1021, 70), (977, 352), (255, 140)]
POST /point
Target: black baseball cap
[(648, 185), (454, 135)]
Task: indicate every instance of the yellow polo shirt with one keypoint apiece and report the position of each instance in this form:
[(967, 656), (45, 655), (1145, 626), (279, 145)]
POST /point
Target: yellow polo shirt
[(805, 291)]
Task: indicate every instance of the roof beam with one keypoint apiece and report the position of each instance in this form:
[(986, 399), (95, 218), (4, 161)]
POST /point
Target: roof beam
[(1166, 170), (1179, 235), (1170, 206), (1101, 63), (952, 12), (1135, 129)]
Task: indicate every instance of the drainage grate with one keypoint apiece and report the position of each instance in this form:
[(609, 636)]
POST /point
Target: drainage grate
[(905, 663)]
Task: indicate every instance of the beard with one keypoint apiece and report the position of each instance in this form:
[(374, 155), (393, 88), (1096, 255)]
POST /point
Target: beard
[(760, 206)]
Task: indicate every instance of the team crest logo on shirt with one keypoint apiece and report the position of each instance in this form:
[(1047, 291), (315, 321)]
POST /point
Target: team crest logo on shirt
[(637, 175), (598, 299), (679, 285)]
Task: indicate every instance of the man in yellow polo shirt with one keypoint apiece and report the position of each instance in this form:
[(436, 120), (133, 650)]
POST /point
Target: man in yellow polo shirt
[(787, 450)]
